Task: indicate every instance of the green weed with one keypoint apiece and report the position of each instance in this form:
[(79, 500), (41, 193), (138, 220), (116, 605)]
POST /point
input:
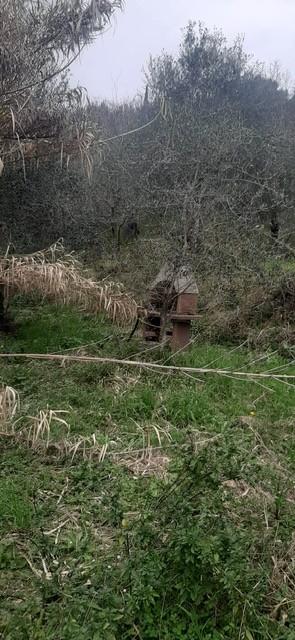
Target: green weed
[(119, 550)]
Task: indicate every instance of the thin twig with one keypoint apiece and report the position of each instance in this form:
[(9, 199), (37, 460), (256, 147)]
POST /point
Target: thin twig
[(50, 76), (128, 133), (49, 533), (240, 346)]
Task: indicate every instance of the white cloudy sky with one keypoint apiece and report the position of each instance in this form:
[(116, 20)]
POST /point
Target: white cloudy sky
[(112, 66)]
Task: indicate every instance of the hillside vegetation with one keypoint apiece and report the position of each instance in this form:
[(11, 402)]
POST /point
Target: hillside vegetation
[(139, 503)]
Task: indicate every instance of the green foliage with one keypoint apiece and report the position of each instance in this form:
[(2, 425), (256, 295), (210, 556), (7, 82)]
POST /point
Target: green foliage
[(16, 508), (40, 115), (186, 529), (195, 553)]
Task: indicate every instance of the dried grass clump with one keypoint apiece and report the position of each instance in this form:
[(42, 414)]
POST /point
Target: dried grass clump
[(58, 277), (38, 431), (150, 462), (9, 404), (48, 433)]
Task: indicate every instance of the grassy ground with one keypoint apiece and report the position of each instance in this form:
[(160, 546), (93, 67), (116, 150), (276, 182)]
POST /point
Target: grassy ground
[(185, 529)]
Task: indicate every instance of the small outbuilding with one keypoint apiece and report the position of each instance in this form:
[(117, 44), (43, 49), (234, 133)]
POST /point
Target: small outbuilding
[(172, 306)]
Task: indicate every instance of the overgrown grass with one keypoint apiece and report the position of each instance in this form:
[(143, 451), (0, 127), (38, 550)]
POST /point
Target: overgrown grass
[(184, 531)]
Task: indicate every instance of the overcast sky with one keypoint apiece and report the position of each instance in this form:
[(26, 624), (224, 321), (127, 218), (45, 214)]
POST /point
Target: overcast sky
[(112, 67)]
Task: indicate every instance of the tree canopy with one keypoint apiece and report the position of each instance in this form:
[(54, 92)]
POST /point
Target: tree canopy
[(39, 41)]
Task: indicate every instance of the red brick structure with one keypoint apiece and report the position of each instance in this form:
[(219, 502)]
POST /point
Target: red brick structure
[(172, 307)]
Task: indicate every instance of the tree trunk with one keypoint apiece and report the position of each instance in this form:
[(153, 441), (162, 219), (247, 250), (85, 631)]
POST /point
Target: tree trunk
[(274, 225), (3, 310)]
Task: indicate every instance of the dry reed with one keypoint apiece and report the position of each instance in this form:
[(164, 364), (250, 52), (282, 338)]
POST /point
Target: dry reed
[(59, 277), (9, 404)]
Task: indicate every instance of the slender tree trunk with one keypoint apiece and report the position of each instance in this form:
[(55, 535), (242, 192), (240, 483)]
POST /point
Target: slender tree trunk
[(274, 224), (2, 304), (3, 308)]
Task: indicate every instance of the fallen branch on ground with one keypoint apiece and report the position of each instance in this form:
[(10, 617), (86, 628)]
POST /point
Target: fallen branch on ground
[(242, 375)]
